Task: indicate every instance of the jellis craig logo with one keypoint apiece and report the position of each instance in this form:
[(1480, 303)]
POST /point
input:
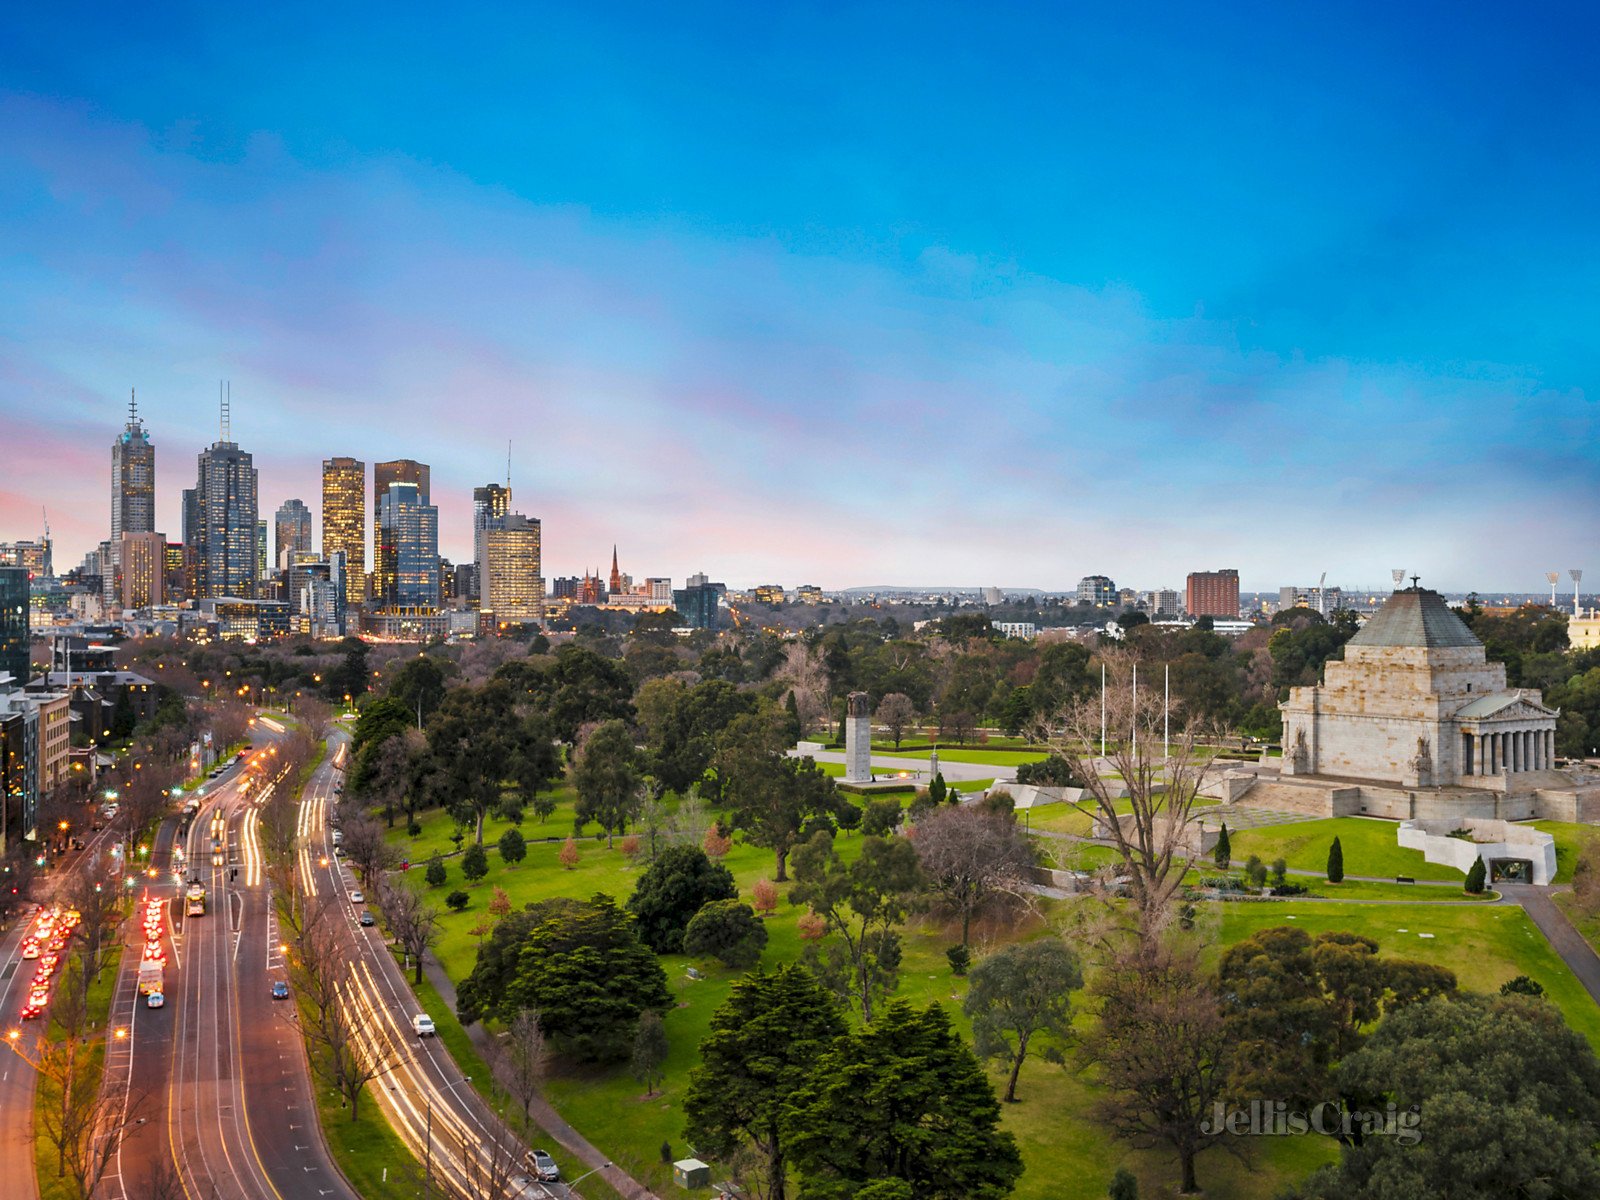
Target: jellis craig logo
[(1274, 1118)]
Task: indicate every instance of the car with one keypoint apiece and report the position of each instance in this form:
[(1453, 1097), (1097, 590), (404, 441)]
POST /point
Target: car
[(542, 1165), (155, 1000), (367, 919), (358, 897), (280, 990), (422, 1025), (338, 837), (30, 950)]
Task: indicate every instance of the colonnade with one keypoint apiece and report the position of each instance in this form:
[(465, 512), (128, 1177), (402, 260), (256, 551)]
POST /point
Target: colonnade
[(1509, 751)]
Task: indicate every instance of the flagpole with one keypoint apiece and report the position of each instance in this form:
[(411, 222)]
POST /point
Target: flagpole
[(1102, 710), (1166, 715), (1136, 710)]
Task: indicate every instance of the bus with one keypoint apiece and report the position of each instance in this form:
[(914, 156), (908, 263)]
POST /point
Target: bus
[(196, 901)]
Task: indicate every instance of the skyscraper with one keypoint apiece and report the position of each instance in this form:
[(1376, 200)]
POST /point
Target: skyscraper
[(408, 532), (133, 479), (1213, 593), (513, 588), (344, 521), (15, 595), (143, 559), (489, 504), (291, 533), (385, 474), (226, 550)]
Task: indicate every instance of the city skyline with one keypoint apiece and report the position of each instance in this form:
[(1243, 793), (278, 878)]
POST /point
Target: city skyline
[(786, 297)]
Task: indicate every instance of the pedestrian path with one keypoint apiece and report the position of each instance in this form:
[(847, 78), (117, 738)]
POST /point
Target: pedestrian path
[(1562, 935)]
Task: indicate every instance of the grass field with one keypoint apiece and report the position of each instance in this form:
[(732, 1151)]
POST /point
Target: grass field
[(1569, 839), (1067, 1155), (1369, 847)]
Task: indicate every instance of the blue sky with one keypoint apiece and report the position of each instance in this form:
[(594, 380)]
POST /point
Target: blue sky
[(864, 294)]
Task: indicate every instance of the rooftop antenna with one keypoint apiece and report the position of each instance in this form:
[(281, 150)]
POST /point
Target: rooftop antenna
[(225, 394), (1399, 576), (1551, 577), (1577, 578), (508, 464), (133, 407)]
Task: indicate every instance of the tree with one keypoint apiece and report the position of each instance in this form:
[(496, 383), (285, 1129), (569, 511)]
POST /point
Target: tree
[(419, 685), (764, 897), (436, 873), (1162, 1051), (1124, 1186), (457, 900), (770, 795), (764, 1042), (607, 779), (476, 743), (367, 850), (414, 923), (863, 904), (896, 713), (1475, 877), (1023, 992), (902, 1102), (474, 863), (672, 890), (1491, 1096), (881, 818), (649, 1050), (727, 930), (971, 858), (521, 1059), (1336, 862), (499, 903), (938, 789), (1522, 985), (1295, 1004), (513, 846), (579, 964), (569, 855), (1222, 854)]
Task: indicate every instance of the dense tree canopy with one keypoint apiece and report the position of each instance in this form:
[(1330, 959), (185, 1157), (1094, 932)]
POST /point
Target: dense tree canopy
[(672, 890)]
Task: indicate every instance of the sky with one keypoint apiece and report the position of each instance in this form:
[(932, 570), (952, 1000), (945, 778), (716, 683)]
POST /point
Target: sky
[(839, 294)]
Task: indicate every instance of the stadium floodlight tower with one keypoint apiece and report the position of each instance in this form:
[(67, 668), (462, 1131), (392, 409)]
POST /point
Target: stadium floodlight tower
[(1576, 575), (1551, 577), (1399, 576)]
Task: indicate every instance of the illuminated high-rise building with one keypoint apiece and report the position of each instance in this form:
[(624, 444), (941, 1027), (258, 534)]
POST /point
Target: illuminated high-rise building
[(385, 475), (408, 532), (133, 479), (15, 596), (143, 569), (513, 588), (344, 521), (489, 503), (227, 554), (291, 533)]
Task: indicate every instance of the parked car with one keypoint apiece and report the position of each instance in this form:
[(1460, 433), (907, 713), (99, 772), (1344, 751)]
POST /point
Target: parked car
[(422, 1025), (280, 990), (358, 897)]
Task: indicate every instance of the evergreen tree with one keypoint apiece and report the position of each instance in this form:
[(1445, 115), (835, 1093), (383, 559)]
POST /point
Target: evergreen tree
[(1223, 854), (937, 789), (672, 890), (1124, 1186), (474, 863), (1336, 862), (1475, 877), (435, 874), (513, 846), (902, 1101)]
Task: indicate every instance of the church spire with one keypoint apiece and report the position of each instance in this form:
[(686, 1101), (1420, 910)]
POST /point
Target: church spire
[(616, 575)]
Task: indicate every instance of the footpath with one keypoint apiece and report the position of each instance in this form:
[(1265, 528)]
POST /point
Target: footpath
[(551, 1121)]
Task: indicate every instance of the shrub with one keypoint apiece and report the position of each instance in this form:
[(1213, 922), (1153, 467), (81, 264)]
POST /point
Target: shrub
[(716, 844), (960, 959), (672, 890), (1255, 871), (474, 863), (458, 900), (882, 817), (813, 927), (414, 829), (1522, 986), (1336, 862), (1124, 1186), (1280, 871), (629, 847), (436, 873), (849, 817), (499, 903), (666, 1147)]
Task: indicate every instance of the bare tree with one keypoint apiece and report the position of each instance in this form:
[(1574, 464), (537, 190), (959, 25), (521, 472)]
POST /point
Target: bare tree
[(161, 1181), (896, 713), (392, 771), (973, 858), (521, 1059), (1153, 826), (102, 911), (315, 716), (805, 674), (348, 1048), (82, 1121), (413, 921), (1161, 1047), (368, 852)]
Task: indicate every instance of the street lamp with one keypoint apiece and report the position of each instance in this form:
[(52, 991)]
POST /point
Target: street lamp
[(585, 1175)]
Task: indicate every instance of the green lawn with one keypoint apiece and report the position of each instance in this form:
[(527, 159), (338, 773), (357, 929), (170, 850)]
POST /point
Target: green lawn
[(1569, 838), (1369, 847), (987, 758)]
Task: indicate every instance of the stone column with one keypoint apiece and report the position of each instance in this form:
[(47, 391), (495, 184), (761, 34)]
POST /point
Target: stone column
[(857, 739), (1478, 765), (1550, 743), (1514, 759)]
